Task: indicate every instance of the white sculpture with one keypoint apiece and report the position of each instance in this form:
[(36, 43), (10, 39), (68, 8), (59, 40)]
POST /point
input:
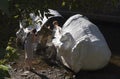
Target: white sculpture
[(82, 45)]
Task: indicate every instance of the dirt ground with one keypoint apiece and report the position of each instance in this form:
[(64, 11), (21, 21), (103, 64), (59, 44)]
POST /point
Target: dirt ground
[(42, 70)]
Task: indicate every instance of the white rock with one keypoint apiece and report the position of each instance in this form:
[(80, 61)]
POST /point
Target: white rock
[(25, 73), (83, 45)]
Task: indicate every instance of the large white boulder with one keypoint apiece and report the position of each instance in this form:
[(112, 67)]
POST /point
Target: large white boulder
[(82, 45)]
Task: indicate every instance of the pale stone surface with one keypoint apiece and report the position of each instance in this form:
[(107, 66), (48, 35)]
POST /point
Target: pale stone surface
[(82, 45)]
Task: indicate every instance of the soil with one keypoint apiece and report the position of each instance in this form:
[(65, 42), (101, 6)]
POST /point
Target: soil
[(43, 70)]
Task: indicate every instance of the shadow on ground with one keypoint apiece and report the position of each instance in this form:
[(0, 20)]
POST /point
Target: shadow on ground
[(111, 71)]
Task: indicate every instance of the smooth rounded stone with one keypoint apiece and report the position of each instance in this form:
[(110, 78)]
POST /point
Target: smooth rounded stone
[(74, 76), (79, 43)]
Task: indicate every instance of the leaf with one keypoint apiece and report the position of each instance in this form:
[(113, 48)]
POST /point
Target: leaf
[(3, 67), (63, 3), (16, 5), (16, 16)]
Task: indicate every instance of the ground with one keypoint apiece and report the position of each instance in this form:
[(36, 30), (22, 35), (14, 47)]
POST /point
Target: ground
[(42, 70)]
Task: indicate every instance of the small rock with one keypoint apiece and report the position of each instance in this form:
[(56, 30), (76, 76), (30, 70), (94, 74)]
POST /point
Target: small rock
[(74, 76), (55, 76), (50, 72), (24, 74), (67, 77), (53, 67), (15, 70), (27, 72), (33, 68), (21, 70)]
